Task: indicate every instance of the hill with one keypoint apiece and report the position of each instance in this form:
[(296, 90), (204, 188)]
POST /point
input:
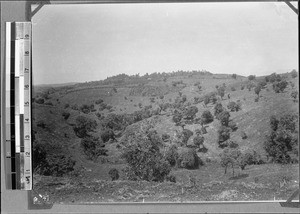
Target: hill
[(125, 104)]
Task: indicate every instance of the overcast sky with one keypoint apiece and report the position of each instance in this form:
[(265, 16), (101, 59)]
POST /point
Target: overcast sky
[(78, 43)]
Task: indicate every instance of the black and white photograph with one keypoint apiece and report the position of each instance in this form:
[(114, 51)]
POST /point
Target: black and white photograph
[(165, 102)]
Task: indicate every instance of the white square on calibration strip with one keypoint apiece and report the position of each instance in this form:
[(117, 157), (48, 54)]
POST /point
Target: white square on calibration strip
[(17, 58), (17, 135), (21, 94)]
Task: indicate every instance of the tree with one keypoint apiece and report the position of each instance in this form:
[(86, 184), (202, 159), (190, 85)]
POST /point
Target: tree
[(207, 117), (84, 125), (230, 157)]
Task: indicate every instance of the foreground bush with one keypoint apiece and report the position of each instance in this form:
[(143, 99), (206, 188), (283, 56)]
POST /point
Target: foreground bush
[(84, 125), (281, 144), (145, 162), (114, 174), (188, 159), (93, 148), (171, 155)]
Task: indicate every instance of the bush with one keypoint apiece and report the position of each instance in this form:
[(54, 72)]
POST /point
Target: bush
[(66, 115), (224, 118), (114, 174), (218, 109), (294, 73), (165, 137), (233, 76), (145, 160), (190, 113), (243, 135), (107, 134), (221, 92), (294, 95), (92, 147), (41, 124), (67, 105), (188, 159), (280, 86), (186, 133), (242, 87), (40, 100), (223, 134), (230, 157), (83, 125), (177, 118), (233, 88), (232, 125), (51, 159), (171, 155), (251, 77), (206, 100), (273, 78), (282, 143), (198, 140), (233, 106), (207, 117), (257, 89), (171, 178)]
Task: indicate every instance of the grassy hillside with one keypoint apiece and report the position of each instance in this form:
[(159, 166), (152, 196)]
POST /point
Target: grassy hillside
[(135, 95)]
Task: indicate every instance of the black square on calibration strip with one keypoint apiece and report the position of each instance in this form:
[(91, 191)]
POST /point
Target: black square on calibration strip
[(13, 181)]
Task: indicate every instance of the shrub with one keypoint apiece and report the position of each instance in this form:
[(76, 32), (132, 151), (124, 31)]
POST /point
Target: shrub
[(223, 134), (188, 159), (74, 107), (107, 134), (256, 99), (218, 109), (198, 140), (232, 106), (40, 100), (190, 112), (232, 125), (92, 147), (41, 124), (294, 73), (257, 89), (51, 159), (206, 100), (114, 174), (242, 87), (171, 155), (280, 86), (207, 117), (233, 76), (177, 118), (230, 157), (67, 105), (99, 101), (294, 95), (165, 137), (233, 88), (243, 135), (282, 143), (251, 77), (83, 125), (186, 133), (221, 92), (145, 160), (171, 178), (224, 118), (66, 115)]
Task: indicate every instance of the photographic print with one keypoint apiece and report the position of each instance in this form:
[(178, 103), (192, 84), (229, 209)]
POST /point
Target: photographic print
[(165, 102)]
